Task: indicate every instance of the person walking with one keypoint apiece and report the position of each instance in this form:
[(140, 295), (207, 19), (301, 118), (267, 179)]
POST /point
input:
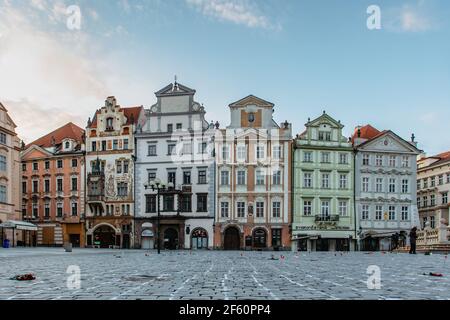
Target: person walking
[(412, 240)]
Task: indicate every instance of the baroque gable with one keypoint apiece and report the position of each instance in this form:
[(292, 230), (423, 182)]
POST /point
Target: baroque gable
[(389, 142)]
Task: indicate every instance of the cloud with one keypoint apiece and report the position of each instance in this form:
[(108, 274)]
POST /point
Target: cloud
[(410, 18), (236, 11)]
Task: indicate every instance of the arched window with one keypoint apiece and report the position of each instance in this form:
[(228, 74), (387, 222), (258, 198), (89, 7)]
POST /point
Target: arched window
[(109, 124)]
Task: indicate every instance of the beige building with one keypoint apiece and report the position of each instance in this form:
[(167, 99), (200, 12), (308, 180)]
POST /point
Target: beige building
[(9, 174), (433, 187)]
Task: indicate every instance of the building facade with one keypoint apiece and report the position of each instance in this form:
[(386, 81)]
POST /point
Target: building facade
[(53, 187), (110, 175), (323, 215), (174, 146), (433, 187), (385, 188), (253, 179), (10, 202)]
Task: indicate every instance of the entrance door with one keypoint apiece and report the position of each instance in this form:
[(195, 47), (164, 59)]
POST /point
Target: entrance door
[(147, 243), (48, 236), (199, 239), (74, 239), (342, 245), (322, 244), (232, 239), (259, 238), (126, 241), (104, 236), (170, 239)]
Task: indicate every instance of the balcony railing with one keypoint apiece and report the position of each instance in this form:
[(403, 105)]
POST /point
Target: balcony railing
[(95, 198), (327, 218)]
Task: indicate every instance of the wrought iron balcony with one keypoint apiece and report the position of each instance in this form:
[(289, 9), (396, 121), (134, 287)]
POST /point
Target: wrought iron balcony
[(327, 218)]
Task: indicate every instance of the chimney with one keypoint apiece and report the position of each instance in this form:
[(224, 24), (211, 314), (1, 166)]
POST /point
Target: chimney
[(357, 140)]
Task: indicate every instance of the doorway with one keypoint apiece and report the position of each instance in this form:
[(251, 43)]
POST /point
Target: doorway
[(232, 239), (104, 237), (199, 239), (170, 239), (259, 238)]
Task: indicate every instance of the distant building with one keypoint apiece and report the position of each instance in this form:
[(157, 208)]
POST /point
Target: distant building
[(385, 187), (53, 186), (323, 216), (253, 179), (174, 146), (110, 176), (10, 208)]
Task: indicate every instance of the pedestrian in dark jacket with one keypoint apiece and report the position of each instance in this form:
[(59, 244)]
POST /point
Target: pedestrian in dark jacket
[(412, 240)]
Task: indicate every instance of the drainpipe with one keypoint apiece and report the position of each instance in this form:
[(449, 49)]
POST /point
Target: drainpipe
[(354, 199)]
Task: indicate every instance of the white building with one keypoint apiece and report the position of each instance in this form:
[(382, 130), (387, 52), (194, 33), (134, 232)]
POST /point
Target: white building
[(385, 187), (173, 146)]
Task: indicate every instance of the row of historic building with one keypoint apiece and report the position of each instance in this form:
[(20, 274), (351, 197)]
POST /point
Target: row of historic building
[(250, 184)]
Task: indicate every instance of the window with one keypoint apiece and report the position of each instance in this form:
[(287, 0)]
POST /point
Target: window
[(94, 146), (59, 185), (74, 163), (307, 207), (179, 126), (171, 149), (260, 152), (187, 148), (378, 212), (405, 161), (103, 145), (425, 201), (59, 209), (343, 158), (276, 152), (202, 176), (35, 210), (241, 177), (307, 180), (2, 138), (379, 185), (3, 196), (419, 185), (343, 181), (35, 166), (152, 150), (24, 187), (325, 208), (448, 177), (35, 187), (47, 210), (425, 183), (324, 136), (126, 165), (343, 208), (24, 210), (276, 177), (224, 209), (122, 189), (168, 203), (433, 181), (202, 147), (445, 198), (325, 180), (276, 238), (125, 144), (202, 202), (24, 167), (74, 209), (379, 160), (109, 124), (365, 184), (170, 128), (276, 209), (171, 177), (46, 185), (307, 156), (392, 161), (391, 212), (240, 209), (325, 157), (405, 211), (186, 203), (424, 221), (241, 152), (115, 144), (365, 212), (119, 166), (2, 163), (151, 176), (59, 164), (432, 222), (67, 145), (366, 159), (405, 185), (186, 177), (260, 209), (150, 203), (392, 182), (74, 184), (224, 178), (225, 152), (433, 200), (441, 180), (260, 178)]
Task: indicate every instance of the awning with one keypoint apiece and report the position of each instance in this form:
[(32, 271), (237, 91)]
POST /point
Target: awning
[(19, 225), (375, 234)]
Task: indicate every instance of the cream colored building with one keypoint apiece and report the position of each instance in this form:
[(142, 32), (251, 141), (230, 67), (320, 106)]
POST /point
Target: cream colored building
[(433, 188), (9, 174)]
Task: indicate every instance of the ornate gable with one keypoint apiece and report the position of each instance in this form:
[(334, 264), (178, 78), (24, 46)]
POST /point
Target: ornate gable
[(251, 100), (175, 89), (389, 141)]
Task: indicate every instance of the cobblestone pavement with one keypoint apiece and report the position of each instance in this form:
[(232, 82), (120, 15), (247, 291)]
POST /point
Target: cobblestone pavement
[(135, 274)]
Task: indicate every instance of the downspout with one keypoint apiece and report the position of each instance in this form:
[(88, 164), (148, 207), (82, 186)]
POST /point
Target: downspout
[(291, 187), (354, 199)]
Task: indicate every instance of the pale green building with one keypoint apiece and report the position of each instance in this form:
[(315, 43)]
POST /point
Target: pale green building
[(323, 188)]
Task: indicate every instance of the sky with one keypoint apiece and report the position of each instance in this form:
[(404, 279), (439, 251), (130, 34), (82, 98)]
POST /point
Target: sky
[(305, 56)]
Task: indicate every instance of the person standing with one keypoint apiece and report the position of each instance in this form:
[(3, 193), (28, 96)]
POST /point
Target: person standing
[(412, 239)]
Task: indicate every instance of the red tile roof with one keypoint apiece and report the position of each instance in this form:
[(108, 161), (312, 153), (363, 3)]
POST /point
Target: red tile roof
[(366, 132), (131, 113), (69, 130)]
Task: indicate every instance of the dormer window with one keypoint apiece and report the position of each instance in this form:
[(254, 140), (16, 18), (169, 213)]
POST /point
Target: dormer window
[(67, 145), (109, 124)]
